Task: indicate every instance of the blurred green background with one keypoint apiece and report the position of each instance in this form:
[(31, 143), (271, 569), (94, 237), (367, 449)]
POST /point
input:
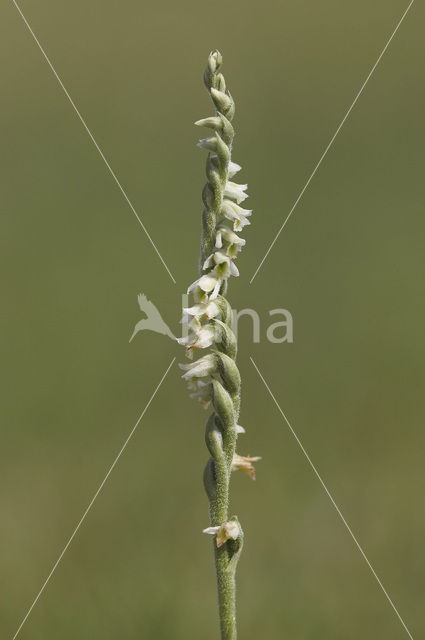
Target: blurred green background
[(348, 266)]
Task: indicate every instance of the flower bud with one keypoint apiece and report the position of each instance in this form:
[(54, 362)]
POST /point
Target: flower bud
[(210, 144), (225, 339), (215, 60), (220, 83), (222, 101), (212, 122)]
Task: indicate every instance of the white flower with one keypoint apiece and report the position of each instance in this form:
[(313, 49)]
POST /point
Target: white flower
[(207, 309), (240, 429), (234, 243), (192, 385), (233, 168), (209, 284), (211, 530), (201, 339), (203, 393), (229, 236), (208, 262), (225, 269), (187, 340), (226, 531), (191, 323), (219, 258), (218, 238), (216, 291), (235, 191), (201, 368), (206, 283), (234, 212)]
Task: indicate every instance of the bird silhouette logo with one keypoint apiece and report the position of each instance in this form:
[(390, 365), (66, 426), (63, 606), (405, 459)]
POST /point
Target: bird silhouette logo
[(153, 320)]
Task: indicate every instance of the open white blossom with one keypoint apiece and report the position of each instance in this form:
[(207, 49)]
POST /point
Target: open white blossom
[(233, 169), (236, 214), (207, 309), (228, 267), (202, 339), (236, 191), (226, 235), (208, 284), (203, 367)]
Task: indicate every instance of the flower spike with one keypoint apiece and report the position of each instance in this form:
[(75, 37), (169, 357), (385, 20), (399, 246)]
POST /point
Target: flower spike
[(214, 378)]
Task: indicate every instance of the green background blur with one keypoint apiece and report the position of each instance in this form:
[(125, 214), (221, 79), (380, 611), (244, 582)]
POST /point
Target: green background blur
[(348, 266)]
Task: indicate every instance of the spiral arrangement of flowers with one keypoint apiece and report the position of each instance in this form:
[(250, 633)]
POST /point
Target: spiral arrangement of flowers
[(214, 378)]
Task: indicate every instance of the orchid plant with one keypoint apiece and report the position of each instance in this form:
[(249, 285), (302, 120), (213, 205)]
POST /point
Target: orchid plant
[(214, 378)]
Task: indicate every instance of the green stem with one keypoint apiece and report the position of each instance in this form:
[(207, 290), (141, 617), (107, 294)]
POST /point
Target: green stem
[(226, 588), (226, 585), (221, 431)]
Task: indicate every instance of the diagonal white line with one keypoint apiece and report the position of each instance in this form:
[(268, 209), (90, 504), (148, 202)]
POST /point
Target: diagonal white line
[(93, 499), (331, 142), (94, 141), (332, 500)]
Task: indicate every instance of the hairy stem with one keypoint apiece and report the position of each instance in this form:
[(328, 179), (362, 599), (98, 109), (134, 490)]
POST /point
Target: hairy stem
[(226, 587)]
